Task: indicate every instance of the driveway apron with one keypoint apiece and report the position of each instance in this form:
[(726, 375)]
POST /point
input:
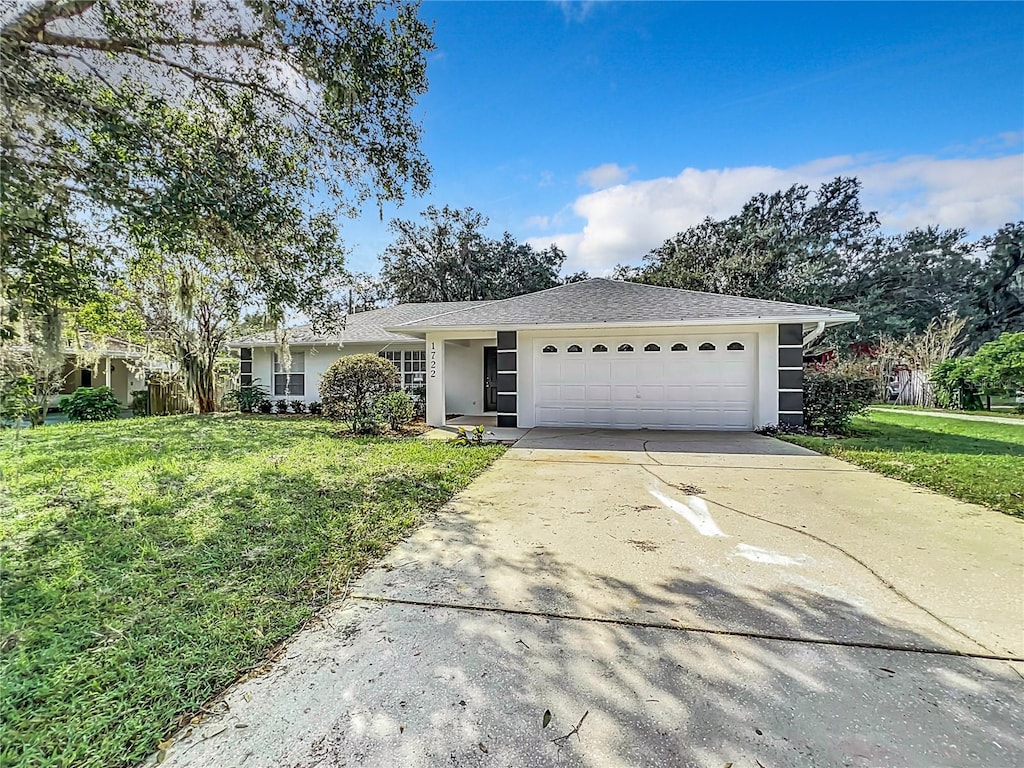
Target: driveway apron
[(604, 598)]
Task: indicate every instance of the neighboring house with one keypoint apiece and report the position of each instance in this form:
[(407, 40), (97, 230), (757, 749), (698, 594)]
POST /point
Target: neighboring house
[(597, 353), (112, 362)]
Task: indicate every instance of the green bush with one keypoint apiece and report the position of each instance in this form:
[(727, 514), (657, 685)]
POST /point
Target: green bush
[(316, 408), (834, 394), (281, 406), (952, 385), (395, 409), (997, 368), (247, 399), (298, 406), (140, 402), (91, 404), (351, 387), (18, 401)]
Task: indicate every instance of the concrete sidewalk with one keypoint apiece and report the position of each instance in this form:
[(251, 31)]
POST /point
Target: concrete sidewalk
[(671, 599)]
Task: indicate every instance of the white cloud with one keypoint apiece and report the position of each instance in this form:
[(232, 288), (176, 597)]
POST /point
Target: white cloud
[(605, 175), (576, 10), (622, 223)]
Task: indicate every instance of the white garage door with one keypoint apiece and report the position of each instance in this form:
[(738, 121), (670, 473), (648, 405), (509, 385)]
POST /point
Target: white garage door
[(685, 382)]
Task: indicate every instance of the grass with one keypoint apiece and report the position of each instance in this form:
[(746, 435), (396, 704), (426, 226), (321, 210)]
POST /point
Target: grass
[(1007, 414), (148, 563), (976, 461)]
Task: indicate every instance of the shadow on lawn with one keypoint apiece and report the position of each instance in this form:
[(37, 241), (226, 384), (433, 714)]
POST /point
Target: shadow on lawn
[(889, 437), (137, 609)]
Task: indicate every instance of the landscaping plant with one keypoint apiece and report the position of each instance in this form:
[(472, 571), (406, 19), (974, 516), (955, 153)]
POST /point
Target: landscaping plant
[(247, 399), (316, 408), (91, 404), (834, 393), (351, 387), (298, 406), (997, 368), (474, 436), (140, 402), (281, 406), (395, 409), (18, 402)]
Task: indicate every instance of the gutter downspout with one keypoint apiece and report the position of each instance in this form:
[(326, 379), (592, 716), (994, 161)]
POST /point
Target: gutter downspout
[(818, 330)]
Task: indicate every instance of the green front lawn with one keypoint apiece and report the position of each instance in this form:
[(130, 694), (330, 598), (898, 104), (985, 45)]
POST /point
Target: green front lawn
[(147, 563), (1003, 414), (976, 461)]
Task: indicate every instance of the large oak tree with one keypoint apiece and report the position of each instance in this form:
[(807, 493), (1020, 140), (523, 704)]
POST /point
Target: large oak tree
[(446, 256), (307, 104)]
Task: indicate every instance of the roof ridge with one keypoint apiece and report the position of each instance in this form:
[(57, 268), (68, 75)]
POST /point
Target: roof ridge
[(712, 293), (507, 298)]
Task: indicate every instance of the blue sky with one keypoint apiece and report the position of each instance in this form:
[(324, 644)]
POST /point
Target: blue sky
[(606, 127)]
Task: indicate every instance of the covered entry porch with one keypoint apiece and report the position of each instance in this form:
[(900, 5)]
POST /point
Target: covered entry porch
[(463, 379)]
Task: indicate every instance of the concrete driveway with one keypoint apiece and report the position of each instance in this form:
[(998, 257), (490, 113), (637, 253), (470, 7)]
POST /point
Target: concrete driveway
[(672, 599)]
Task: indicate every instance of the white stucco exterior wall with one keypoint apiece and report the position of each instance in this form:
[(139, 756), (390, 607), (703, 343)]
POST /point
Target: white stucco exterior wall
[(317, 360), (767, 405), (435, 379), (455, 366)]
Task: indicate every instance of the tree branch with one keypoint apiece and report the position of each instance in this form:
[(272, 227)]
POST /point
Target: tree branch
[(126, 45)]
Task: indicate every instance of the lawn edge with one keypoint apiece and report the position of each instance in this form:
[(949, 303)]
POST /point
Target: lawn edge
[(274, 653)]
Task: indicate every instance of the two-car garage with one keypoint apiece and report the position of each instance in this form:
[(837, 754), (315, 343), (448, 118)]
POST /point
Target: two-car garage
[(699, 381)]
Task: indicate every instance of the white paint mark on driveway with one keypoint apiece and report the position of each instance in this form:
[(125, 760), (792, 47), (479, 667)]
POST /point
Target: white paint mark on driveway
[(760, 555), (694, 511)]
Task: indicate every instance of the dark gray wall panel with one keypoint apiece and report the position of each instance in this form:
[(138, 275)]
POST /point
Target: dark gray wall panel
[(791, 401), (791, 379), (790, 334), (791, 357), (506, 339)]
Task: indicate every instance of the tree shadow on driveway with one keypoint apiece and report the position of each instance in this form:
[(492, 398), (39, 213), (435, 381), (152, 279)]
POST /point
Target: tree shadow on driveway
[(393, 681)]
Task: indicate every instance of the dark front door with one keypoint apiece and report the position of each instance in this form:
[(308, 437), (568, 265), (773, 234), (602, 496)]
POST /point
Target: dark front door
[(490, 378)]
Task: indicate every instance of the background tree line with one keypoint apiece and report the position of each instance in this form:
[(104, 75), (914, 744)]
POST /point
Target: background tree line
[(822, 247)]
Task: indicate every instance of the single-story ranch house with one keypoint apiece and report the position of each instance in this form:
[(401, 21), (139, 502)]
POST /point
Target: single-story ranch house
[(597, 353)]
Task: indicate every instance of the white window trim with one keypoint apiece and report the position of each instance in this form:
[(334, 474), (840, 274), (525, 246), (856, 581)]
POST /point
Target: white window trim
[(297, 375)]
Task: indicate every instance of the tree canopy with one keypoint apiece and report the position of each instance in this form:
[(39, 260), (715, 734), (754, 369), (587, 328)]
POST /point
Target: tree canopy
[(448, 257), (822, 247), (129, 119)]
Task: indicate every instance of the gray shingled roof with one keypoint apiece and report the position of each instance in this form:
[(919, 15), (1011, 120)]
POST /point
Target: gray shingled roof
[(600, 301), (362, 327)]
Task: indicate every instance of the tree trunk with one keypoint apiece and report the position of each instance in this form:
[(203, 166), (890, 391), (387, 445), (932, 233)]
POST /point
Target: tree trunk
[(199, 381)]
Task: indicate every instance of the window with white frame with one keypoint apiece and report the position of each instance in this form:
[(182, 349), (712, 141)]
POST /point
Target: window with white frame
[(411, 365), (292, 382)]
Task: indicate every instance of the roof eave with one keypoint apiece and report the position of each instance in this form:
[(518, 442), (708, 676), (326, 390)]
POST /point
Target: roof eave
[(240, 343), (833, 319)]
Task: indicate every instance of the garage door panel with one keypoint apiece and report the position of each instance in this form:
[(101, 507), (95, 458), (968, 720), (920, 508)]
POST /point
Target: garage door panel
[(689, 389), (574, 392), (547, 393), (651, 392), (574, 370)]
